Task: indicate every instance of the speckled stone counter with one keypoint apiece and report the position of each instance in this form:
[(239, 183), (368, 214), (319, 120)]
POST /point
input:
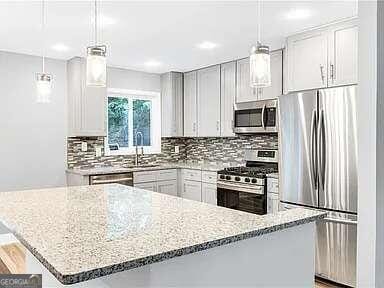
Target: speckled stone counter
[(81, 233), (176, 165)]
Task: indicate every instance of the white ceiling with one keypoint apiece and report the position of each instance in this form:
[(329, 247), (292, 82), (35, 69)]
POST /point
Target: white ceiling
[(166, 32)]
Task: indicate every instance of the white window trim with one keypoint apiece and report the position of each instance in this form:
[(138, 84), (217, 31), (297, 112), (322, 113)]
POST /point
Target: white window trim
[(155, 148)]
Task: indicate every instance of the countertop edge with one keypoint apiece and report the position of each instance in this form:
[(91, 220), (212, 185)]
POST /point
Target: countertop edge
[(67, 279)]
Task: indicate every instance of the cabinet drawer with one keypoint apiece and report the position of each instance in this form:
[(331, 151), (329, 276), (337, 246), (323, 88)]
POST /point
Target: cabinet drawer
[(272, 185), (190, 174), (151, 186), (209, 177), (168, 174), (147, 176)]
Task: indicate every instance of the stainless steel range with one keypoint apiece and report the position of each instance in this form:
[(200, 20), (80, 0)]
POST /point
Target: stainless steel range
[(245, 188)]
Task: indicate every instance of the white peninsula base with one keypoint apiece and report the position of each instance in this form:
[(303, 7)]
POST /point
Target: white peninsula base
[(279, 259)]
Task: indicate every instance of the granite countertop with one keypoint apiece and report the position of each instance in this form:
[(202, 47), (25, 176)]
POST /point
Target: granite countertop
[(273, 175), (175, 165), (85, 232)]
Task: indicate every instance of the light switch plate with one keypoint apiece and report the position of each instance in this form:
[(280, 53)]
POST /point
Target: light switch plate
[(177, 149), (98, 151), (84, 146)]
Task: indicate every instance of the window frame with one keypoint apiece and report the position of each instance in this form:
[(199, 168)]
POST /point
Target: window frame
[(155, 123)]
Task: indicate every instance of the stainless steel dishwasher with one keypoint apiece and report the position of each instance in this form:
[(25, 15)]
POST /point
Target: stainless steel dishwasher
[(120, 178)]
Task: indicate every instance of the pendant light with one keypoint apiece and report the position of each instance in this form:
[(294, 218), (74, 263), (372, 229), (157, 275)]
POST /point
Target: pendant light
[(96, 60), (43, 80), (259, 60)]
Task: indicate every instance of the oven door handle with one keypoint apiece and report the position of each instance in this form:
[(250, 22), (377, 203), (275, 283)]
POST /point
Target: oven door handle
[(259, 190)]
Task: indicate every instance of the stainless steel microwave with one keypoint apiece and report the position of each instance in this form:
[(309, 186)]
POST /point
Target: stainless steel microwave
[(256, 117)]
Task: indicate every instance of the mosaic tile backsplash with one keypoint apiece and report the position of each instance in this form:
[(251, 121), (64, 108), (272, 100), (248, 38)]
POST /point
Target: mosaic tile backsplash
[(190, 149)]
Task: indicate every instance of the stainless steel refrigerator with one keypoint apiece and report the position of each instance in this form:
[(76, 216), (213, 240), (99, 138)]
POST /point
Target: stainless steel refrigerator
[(318, 168)]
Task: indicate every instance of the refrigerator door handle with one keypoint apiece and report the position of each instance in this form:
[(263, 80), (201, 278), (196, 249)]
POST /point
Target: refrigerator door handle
[(340, 221), (321, 149), (313, 151)]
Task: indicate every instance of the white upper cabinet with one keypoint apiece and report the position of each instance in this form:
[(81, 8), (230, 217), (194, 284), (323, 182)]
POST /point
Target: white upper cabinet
[(307, 60), (343, 44), (228, 94), (323, 57), (244, 92), (172, 104), (190, 104), (86, 105), (276, 88), (208, 95)]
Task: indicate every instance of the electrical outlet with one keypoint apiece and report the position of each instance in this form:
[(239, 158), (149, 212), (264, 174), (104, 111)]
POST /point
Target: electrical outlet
[(98, 151), (84, 146), (177, 149)]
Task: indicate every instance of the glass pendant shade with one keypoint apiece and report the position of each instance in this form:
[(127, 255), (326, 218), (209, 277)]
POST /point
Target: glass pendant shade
[(96, 66), (43, 87), (260, 67)]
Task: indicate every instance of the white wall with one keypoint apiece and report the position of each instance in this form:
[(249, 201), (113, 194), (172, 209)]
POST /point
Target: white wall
[(370, 146), (133, 80), (33, 136)]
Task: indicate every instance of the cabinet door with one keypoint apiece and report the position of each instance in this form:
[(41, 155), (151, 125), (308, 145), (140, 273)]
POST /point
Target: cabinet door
[(276, 88), (208, 91), (307, 60), (343, 54), (272, 203), (190, 104), (209, 193), (86, 105), (151, 186), (191, 190), (172, 104), (167, 187), (244, 92), (228, 94)]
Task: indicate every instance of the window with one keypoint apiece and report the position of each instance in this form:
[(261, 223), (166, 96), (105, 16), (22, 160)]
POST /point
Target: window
[(133, 119)]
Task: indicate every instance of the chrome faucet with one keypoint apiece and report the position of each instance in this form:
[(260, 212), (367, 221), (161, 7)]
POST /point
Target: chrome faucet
[(137, 147)]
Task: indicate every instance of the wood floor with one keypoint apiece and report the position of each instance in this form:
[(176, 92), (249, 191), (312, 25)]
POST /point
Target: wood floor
[(321, 284)]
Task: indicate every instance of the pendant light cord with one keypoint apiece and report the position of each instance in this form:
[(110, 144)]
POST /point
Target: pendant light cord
[(95, 22), (258, 22), (43, 33)]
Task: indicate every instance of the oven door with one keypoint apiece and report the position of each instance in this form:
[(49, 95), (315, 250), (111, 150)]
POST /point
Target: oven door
[(256, 117), (252, 200)]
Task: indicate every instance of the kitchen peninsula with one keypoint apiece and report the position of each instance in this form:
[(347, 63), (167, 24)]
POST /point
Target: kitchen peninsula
[(89, 233)]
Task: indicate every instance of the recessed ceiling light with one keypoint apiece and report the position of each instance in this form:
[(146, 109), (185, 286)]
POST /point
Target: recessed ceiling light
[(207, 45), (60, 47), (298, 14), (152, 63)]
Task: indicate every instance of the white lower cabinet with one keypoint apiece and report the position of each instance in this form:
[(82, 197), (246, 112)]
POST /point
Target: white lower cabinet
[(162, 181), (191, 190), (272, 195), (209, 193), (167, 187), (151, 186)]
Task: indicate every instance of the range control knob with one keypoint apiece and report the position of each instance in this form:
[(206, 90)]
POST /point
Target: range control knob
[(246, 180), (237, 178), (254, 180), (222, 176), (227, 177)]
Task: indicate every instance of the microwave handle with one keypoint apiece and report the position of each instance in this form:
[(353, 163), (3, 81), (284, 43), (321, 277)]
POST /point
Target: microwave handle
[(262, 116)]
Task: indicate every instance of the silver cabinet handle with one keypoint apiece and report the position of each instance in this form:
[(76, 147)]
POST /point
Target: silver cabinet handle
[(322, 74), (332, 72), (194, 126), (218, 125)]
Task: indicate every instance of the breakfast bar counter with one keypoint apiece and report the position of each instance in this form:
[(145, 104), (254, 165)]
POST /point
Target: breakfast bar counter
[(89, 233)]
